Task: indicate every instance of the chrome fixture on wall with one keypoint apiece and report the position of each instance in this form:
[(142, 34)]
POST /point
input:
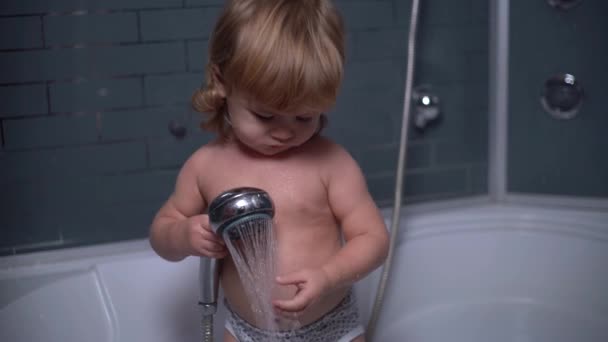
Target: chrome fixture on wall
[(426, 106), (562, 96), (177, 129), (563, 4)]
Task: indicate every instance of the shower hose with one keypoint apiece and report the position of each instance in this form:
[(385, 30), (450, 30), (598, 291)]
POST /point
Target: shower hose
[(409, 77)]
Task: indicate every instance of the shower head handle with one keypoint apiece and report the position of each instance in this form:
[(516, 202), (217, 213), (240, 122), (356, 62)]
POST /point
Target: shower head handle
[(209, 275)]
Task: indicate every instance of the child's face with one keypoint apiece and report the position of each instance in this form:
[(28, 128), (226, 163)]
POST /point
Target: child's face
[(266, 131)]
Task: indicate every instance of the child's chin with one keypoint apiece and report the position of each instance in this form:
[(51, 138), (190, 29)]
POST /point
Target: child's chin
[(269, 152)]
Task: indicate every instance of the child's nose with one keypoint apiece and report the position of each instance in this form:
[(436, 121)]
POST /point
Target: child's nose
[(282, 133)]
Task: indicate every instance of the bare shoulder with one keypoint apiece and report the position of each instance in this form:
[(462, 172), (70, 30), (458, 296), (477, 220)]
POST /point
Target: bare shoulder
[(203, 154), (329, 149), (196, 167), (333, 160)]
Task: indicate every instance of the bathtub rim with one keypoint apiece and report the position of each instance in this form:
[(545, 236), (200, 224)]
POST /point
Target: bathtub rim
[(86, 256)]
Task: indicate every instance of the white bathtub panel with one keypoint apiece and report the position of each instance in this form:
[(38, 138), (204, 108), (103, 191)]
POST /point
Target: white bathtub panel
[(501, 263), (482, 273), (497, 321), (538, 279), (70, 309), (154, 300)]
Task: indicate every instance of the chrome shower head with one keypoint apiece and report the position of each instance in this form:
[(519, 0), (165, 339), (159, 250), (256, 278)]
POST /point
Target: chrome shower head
[(228, 214), (233, 207)]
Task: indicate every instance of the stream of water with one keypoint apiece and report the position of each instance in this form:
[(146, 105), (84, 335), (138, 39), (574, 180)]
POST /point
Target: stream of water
[(253, 249)]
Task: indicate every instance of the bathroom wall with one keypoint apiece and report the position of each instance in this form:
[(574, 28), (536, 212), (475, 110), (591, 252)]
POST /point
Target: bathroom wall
[(549, 156), (88, 89)]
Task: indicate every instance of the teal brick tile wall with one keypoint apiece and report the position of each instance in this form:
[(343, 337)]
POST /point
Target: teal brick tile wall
[(28, 7), (169, 153), (196, 52), (57, 130), (91, 28), (26, 33), (363, 15), (75, 63), (23, 100), (89, 88), (174, 88), (139, 123), (66, 163), (185, 23), (95, 94)]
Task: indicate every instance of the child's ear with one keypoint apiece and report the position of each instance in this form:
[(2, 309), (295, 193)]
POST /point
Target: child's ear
[(218, 80)]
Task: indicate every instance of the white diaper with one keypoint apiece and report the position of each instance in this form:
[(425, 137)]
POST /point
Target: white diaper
[(341, 324)]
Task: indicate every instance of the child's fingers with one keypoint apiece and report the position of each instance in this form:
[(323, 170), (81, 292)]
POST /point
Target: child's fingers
[(288, 315), (209, 235), (296, 304), (212, 246), (291, 278), (219, 255), (212, 249), (207, 232), (215, 255)]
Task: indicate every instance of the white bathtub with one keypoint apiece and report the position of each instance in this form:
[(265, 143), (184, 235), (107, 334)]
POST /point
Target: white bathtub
[(474, 273)]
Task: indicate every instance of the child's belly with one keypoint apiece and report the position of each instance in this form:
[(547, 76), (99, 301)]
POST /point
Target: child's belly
[(293, 254)]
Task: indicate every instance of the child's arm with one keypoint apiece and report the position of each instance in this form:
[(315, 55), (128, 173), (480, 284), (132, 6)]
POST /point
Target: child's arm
[(362, 224), (364, 232), (179, 229)]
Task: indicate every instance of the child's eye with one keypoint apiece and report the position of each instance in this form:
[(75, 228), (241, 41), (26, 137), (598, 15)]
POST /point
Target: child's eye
[(304, 118), (263, 117)]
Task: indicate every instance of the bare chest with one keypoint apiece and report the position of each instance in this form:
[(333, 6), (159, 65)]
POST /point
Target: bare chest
[(295, 186)]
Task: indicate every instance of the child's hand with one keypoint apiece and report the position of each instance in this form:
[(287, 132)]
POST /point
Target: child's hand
[(311, 283), (198, 238)]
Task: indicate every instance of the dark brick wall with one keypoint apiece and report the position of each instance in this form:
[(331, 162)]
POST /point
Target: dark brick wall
[(88, 88)]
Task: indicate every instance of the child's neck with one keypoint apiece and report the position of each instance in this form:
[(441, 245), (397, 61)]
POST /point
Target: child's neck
[(253, 154)]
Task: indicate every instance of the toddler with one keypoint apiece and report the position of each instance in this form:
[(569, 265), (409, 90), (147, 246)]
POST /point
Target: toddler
[(274, 69)]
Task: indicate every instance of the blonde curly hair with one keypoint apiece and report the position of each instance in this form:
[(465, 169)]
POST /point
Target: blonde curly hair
[(286, 54)]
